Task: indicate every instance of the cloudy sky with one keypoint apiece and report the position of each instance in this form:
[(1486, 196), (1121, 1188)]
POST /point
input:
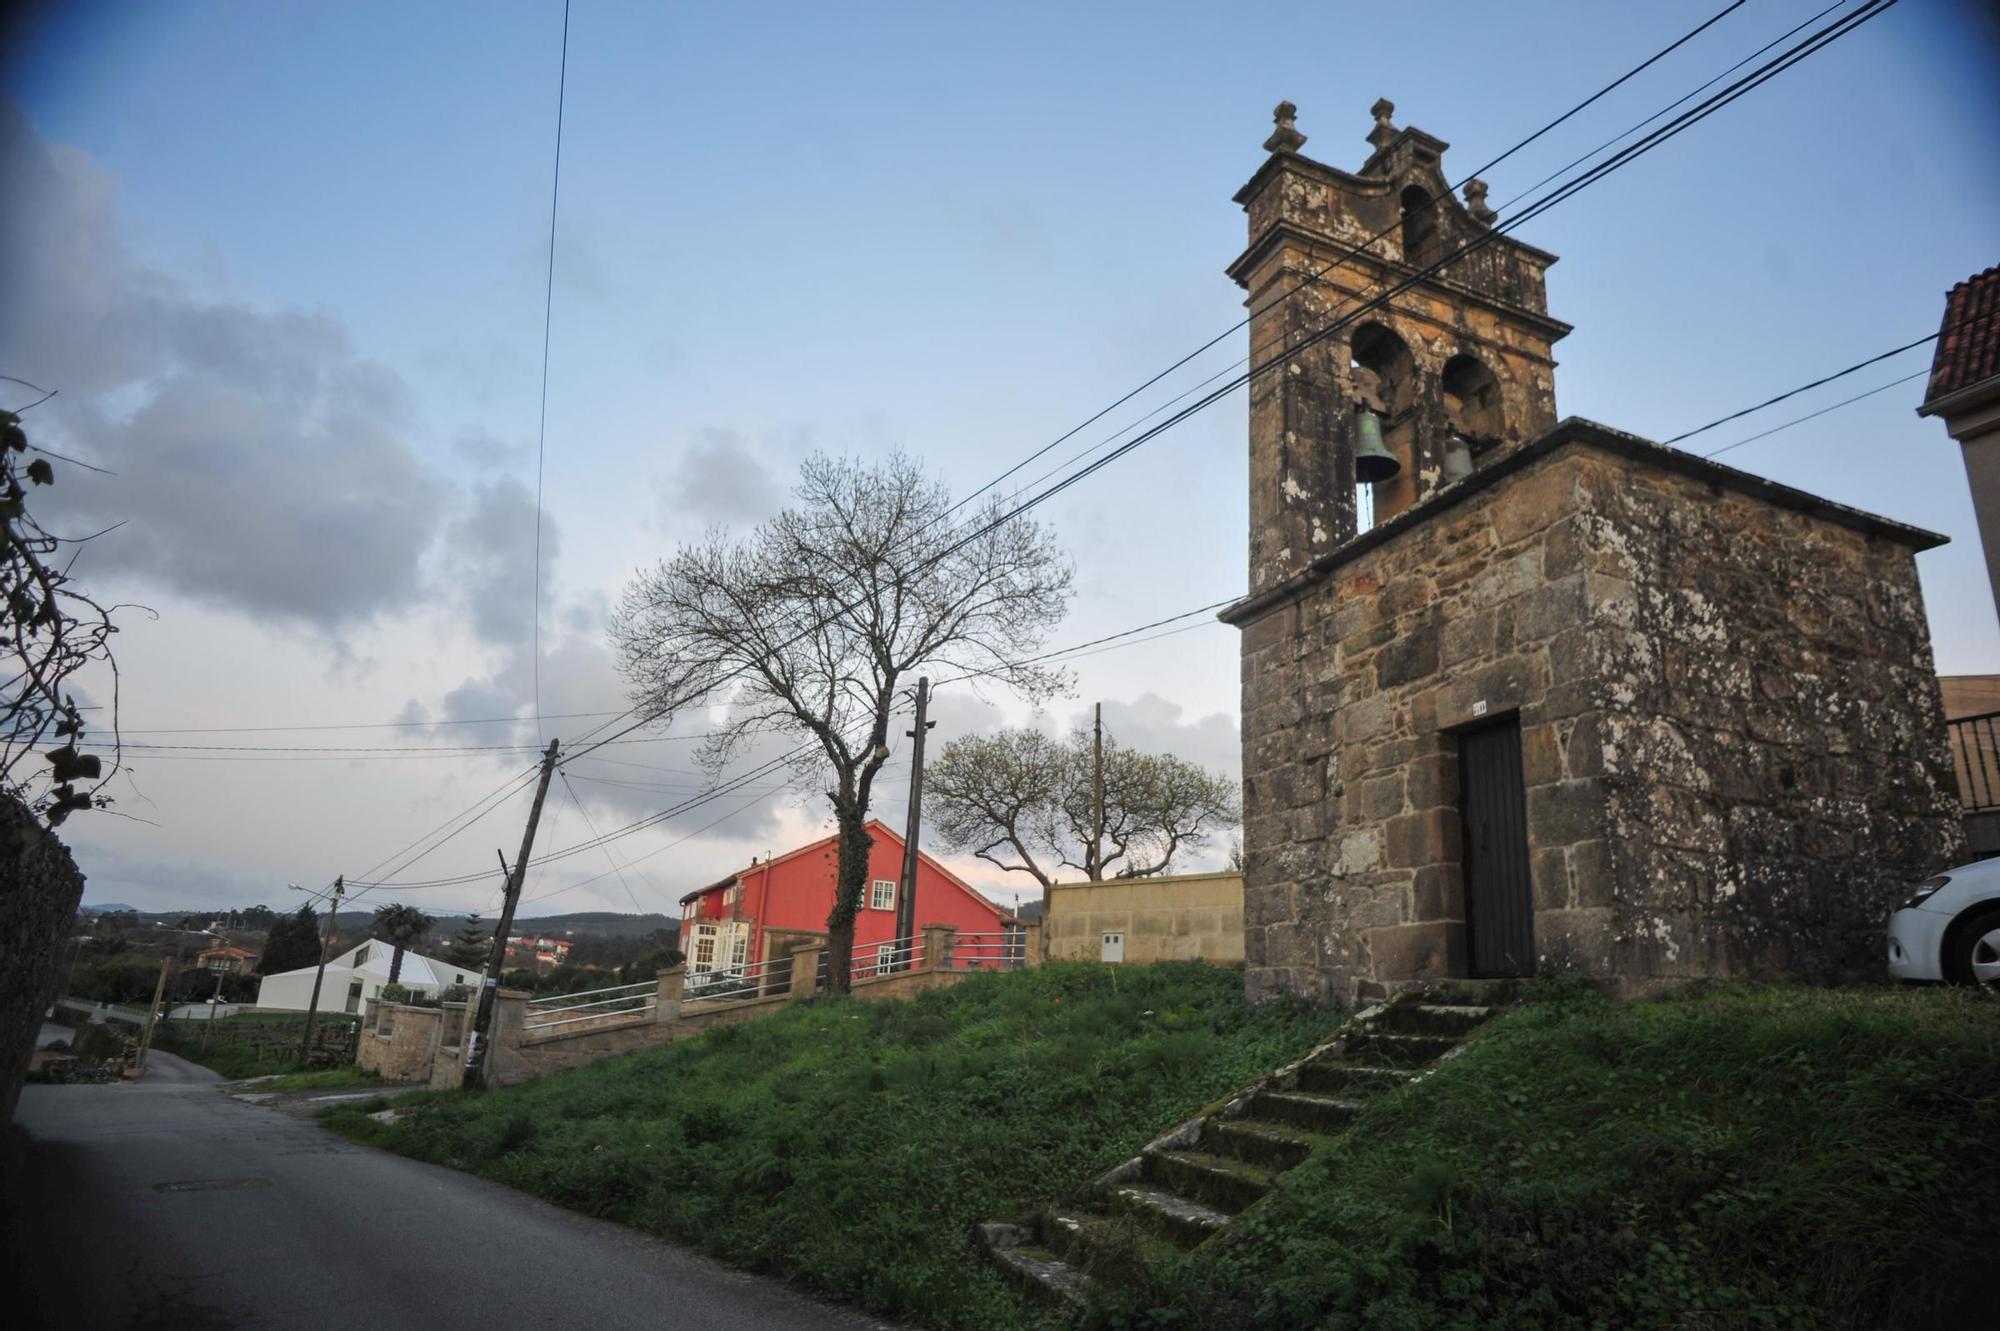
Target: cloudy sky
[(285, 264)]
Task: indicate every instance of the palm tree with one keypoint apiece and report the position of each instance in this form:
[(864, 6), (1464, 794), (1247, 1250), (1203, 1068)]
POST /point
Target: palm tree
[(399, 926)]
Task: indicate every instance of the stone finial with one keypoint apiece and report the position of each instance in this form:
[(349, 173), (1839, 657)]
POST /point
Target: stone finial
[(1384, 132), (1475, 203), (1286, 137)]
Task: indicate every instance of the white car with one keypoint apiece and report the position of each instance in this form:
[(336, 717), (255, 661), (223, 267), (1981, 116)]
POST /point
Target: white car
[(1949, 928)]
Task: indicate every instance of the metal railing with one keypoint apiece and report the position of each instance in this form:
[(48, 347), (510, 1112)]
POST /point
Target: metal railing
[(733, 984), (632, 1001), (872, 959), (1975, 752), (999, 949)]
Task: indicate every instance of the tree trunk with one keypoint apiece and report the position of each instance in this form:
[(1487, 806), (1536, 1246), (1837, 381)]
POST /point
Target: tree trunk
[(396, 964), (854, 846)]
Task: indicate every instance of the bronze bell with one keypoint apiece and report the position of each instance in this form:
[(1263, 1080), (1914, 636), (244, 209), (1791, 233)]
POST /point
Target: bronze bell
[(1372, 462), (1457, 458)]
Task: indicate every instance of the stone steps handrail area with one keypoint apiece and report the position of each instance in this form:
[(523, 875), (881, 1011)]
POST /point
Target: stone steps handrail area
[(1186, 1187)]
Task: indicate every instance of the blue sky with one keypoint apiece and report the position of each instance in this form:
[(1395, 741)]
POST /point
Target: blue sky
[(955, 229)]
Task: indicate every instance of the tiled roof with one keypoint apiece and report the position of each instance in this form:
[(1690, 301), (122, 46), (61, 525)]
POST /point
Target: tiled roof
[(1968, 348)]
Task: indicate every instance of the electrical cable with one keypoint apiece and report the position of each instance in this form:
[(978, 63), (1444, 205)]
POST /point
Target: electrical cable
[(548, 319)]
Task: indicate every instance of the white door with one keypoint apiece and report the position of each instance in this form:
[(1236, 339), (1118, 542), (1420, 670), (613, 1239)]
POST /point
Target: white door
[(1113, 949)]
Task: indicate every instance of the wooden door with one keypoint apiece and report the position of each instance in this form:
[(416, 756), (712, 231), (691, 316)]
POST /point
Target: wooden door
[(1499, 902)]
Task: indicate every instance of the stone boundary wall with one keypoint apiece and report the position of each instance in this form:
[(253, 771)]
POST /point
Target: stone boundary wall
[(517, 1056), (40, 887)]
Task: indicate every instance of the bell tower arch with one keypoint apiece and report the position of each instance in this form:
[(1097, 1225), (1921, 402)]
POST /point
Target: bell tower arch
[(1415, 393)]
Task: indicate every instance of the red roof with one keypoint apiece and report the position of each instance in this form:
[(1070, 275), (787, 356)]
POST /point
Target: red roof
[(236, 952), (1968, 348)]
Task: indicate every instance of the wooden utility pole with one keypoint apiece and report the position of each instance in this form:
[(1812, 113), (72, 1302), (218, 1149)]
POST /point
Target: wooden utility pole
[(1096, 798), (906, 896), (325, 942), (215, 998), (489, 986), (153, 1012)]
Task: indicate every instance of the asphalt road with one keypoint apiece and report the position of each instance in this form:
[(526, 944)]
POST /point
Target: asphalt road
[(164, 1203)]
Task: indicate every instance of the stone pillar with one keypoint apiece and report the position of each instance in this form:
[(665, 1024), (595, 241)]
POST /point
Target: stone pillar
[(371, 1011), (805, 969), (503, 1056), (1031, 951), (938, 940), (667, 1006)]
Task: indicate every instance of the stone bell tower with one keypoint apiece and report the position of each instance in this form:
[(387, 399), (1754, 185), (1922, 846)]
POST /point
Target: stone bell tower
[(1454, 371)]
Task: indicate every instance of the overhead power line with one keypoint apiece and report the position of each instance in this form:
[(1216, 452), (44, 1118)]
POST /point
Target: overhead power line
[(363, 725), (548, 320), (1802, 50), (1355, 250), (1815, 415), (1802, 388), (1020, 509)]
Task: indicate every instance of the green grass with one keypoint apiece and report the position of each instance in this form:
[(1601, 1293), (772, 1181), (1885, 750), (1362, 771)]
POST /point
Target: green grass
[(1738, 1158), (852, 1144), (330, 1079), (230, 1050)]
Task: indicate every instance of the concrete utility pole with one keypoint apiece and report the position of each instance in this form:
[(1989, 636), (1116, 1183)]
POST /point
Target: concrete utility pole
[(482, 1021), (1096, 798), (906, 897), (325, 941), (153, 1012)]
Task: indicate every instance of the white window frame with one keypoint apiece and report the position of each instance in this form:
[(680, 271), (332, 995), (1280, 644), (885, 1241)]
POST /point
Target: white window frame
[(701, 949), (882, 894), (739, 949)]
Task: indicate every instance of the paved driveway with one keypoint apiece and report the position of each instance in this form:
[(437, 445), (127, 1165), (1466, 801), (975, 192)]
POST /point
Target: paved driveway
[(164, 1203)]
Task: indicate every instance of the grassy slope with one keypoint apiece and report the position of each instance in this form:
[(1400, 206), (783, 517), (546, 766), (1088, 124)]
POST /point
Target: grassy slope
[(854, 1144), (1776, 1157)]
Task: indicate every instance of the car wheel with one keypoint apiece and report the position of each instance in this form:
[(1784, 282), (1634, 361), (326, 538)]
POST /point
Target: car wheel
[(1972, 949)]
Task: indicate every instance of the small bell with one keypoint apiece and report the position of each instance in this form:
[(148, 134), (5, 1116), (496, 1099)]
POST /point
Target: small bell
[(1457, 459), (1372, 462)]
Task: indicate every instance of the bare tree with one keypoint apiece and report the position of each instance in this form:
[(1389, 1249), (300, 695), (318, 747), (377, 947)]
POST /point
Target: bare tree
[(1024, 801), (48, 631), (811, 625)]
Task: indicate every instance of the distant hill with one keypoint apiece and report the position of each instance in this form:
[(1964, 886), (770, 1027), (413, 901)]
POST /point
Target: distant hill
[(106, 907)]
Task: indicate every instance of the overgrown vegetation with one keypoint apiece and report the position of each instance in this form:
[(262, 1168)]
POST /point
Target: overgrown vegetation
[(249, 1044), (1778, 1157), (853, 1144), (327, 1079)]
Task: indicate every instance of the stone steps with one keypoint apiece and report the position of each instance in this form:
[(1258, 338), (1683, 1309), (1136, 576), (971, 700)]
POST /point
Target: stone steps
[(1307, 1110), (1274, 1146), (1334, 1078), (1116, 1248), (1214, 1180), (1173, 1217), (1387, 1049), (1042, 1276), (1186, 1188)]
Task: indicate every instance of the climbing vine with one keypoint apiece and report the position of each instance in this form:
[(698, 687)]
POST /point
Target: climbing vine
[(48, 631)]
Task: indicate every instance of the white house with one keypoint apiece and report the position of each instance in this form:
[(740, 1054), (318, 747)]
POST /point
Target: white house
[(356, 976)]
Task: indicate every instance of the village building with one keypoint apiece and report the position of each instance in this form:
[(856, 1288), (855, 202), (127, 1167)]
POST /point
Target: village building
[(1964, 393), (766, 911), (357, 975), (1176, 917), (1522, 694), (223, 959)]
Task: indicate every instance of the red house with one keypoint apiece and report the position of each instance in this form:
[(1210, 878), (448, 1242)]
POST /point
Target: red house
[(761, 912)]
